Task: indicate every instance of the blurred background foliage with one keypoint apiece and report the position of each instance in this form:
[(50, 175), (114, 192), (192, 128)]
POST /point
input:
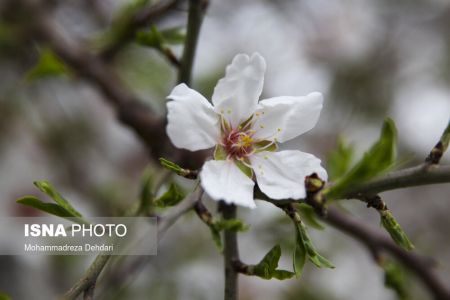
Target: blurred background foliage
[(371, 59)]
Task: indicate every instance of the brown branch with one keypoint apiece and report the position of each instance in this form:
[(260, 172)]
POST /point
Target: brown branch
[(377, 241), (88, 280), (415, 176), (203, 213), (89, 292), (164, 223), (143, 17), (197, 9), (231, 253)]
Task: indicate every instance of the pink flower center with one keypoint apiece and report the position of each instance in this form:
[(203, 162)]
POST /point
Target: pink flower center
[(238, 144)]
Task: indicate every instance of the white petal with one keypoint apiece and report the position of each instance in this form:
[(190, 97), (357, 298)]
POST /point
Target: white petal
[(192, 122), (236, 95), (285, 118), (223, 180), (281, 175)]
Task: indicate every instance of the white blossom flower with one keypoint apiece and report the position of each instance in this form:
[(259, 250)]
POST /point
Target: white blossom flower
[(245, 134)]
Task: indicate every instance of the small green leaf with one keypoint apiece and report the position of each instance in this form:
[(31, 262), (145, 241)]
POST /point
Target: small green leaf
[(267, 267), (395, 231), (151, 38), (159, 38), (220, 153), (308, 215), (282, 274), (47, 188), (51, 208), (216, 237), (48, 65), (394, 278), (172, 197), (230, 224), (171, 166), (311, 252), (299, 258), (376, 160), (174, 35), (339, 160)]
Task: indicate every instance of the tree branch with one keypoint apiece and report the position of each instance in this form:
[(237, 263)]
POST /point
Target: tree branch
[(89, 292), (164, 223), (197, 10), (416, 176), (149, 126), (231, 253), (377, 241), (89, 278)]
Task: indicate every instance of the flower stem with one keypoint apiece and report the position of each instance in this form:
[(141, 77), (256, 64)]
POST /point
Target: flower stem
[(230, 253)]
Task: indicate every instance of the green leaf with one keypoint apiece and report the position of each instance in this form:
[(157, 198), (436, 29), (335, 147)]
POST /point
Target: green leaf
[(395, 231), (394, 278), (313, 256), (216, 237), (174, 35), (171, 166), (47, 188), (48, 65), (172, 197), (308, 215), (151, 38), (230, 224), (339, 160), (158, 39), (282, 274), (375, 161), (267, 267), (299, 258), (51, 208)]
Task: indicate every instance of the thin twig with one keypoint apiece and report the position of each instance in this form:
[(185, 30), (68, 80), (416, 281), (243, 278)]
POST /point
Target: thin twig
[(88, 279), (377, 241), (415, 176), (165, 222), (197, 10), (438, 151), (185, 206)]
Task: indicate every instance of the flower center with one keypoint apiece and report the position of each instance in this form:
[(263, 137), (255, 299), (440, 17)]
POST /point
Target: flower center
[(238, 144)]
